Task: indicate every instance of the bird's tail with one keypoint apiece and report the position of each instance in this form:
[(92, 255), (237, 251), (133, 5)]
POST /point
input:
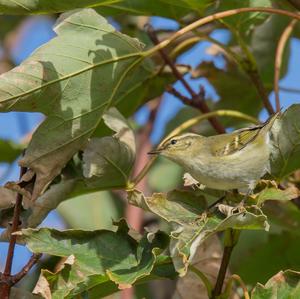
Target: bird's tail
[(266, 127)]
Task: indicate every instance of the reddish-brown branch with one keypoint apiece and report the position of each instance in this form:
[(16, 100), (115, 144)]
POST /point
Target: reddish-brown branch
[(254, 76), (195, 97), (135, 215), (5, 286), (33, 260)]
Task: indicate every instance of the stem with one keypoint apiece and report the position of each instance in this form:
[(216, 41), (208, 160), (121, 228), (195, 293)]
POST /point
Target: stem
[(33, 260), (254, 73), (189, 123), (289, 89), (278, 59), (203, 278), (197, 100), (231, 238), (238, 279), (219, 15), (5, 288)]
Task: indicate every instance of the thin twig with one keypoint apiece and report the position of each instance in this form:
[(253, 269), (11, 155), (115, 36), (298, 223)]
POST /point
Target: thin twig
[(5, 288), (33, 260), (231, 237), (278, 59), (197, 99), (214, 17), (190, 102), (289, 89), (238, 279)]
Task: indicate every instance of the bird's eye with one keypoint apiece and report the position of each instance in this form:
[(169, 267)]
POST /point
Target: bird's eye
[(173, 141)]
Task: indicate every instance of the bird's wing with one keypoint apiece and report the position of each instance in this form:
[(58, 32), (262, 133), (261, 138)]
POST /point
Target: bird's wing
[(235, 141)]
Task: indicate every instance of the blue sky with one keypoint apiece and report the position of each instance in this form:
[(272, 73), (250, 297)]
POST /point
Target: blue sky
[(38, 30)]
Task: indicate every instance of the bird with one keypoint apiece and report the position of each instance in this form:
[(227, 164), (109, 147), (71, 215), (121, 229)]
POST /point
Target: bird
[(235, 160)]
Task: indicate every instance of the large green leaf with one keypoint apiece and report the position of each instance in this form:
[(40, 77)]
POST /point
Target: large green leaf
[(284, 285), (285, 143), (72, 79), (264, 42), (95, 256), (192, 227), (45, 6), (165, 8)]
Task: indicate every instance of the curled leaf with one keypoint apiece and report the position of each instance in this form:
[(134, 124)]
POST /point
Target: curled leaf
[(283, 285), (94, 257), (191, 227)]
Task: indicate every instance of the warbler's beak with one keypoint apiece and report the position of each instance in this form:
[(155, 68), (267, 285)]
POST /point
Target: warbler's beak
[(155, 152)]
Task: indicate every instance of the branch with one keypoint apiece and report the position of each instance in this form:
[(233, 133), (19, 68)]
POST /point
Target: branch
[(238, 279), (197, 100), (194, 102), (231, 238), (5, 277), (278, 59), (33, 260), (7, 280), (217, 16), (224, 14)]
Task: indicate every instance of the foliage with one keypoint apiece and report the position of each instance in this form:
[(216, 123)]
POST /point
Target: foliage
[(89, 81)]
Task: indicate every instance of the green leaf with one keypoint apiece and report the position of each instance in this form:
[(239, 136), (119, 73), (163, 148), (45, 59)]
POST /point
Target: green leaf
[(163, 269), (185, 209), (73, 80), (107, 161), (285, 143), (244, 22), (9, 151), (166, 8), (284, 285), (277, 194), (44, 6), (264, 42), (252, 257), (95, 255)]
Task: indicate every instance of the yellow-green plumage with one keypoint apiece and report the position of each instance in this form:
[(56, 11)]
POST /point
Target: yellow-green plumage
[(229, 161)]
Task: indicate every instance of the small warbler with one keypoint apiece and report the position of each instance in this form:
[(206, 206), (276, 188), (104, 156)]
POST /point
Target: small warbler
[(235, 160)]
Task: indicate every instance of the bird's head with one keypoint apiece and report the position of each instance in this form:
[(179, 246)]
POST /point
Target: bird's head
[(179, 148)]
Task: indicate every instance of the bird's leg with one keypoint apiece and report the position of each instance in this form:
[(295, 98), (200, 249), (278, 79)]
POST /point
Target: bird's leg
[(241, 206), (204, 214)]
